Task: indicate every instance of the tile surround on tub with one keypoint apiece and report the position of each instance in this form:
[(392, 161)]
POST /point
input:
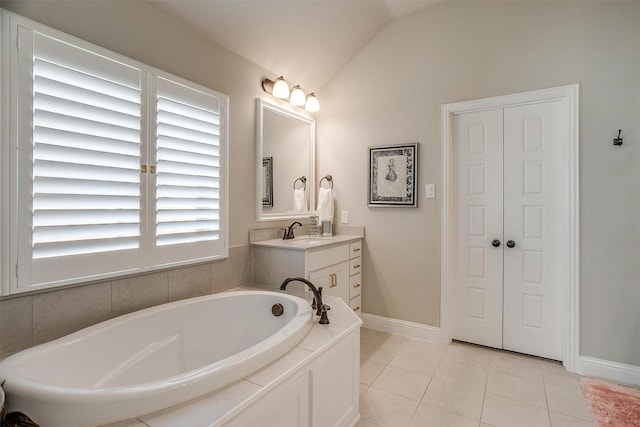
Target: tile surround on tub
[(61, 312), (135, 293), (28, 320), (17, 312), (189, 282)]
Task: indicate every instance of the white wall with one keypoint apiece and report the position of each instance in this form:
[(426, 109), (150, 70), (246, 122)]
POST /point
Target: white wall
[(391, 92)]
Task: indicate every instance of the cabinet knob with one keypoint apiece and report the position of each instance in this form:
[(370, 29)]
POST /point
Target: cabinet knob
[(356, 266), (356, 308), (356, 250), (511, 244), (357, 285)]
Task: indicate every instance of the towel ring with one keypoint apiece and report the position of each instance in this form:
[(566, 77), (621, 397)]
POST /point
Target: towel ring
[(302, 179), (329, 179)]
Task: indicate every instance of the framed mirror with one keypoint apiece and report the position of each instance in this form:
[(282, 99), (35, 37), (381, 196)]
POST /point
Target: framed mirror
[(285, 163)]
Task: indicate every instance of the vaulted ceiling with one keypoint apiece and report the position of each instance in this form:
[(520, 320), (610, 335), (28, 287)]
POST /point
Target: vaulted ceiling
[(307, 41)]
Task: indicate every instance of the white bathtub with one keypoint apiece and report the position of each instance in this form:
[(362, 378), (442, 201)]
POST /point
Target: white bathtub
[(151, 359)]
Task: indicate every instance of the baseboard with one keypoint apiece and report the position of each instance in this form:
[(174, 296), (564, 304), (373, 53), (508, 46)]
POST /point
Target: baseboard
[(619, 372), (401, 327)]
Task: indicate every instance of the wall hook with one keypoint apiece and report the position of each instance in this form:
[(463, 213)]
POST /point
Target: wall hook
[(618, 141)]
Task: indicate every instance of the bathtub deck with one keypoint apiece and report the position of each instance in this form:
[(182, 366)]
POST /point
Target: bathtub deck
[(216, 408)]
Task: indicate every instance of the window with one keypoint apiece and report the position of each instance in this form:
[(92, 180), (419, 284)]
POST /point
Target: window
[(120, 168)]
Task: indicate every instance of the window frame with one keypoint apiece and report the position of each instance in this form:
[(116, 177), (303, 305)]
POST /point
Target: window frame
[(10, 103)]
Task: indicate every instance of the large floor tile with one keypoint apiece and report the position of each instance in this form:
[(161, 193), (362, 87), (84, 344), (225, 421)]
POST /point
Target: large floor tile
[(376, 351), (462, 373), (421, 348), (431, 416), (456, 398), (419, 364), (469, 354), (516, 364), (517, 388), (500, 411), (568, 400), (554, 373), (400, 381), (561, 420), (379, 407), (369, 370)]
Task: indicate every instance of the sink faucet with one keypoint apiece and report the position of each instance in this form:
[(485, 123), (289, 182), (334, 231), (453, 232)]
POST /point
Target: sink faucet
[(321, 309), (288, 232)]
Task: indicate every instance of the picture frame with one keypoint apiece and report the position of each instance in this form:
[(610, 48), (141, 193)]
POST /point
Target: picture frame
[(393, 177), (267, 181)]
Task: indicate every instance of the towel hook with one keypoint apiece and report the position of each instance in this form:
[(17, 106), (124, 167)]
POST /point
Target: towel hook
[(302, 179), (329, 179), (618, 141)]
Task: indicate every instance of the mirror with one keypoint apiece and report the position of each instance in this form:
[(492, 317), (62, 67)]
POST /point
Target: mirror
[(285, 162)]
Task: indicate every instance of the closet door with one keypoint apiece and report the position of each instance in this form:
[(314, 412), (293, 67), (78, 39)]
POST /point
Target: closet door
[(532, 225), (508, 208), (477, 148)]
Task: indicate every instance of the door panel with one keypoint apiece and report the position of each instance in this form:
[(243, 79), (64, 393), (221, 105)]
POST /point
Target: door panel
[(477, 149), (532, 219)]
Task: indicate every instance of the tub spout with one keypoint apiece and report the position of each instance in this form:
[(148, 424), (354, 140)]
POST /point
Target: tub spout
[(321, 309)]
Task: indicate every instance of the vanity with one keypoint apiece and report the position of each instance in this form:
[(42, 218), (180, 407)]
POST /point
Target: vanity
[(335, 263), (285, 148)]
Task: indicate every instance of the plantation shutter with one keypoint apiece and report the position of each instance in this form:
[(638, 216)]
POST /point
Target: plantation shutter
[(188, 198), (115, 168), (85, 142)]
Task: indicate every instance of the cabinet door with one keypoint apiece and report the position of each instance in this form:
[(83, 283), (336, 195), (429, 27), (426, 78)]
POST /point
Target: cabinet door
[(334, 280), (335, 378)]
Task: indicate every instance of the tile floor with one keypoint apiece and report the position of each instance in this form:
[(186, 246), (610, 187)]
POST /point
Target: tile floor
[(408, 382)]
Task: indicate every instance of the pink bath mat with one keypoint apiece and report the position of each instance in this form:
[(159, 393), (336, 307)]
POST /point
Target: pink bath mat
[(612, 405)]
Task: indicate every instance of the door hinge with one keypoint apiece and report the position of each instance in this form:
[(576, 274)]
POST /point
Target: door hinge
[(16, 269)]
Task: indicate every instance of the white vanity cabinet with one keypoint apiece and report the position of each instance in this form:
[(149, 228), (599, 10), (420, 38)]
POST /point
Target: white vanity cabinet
[(334, 263)]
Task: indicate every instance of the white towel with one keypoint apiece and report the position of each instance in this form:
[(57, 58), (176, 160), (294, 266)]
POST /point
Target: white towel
[(325, 204), (299, 200)]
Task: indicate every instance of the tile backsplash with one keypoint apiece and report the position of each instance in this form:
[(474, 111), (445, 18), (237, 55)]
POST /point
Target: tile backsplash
[(33, 319)]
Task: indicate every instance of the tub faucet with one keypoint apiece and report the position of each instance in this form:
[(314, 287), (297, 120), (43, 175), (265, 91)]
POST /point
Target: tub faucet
[(288, 232), (321, 309)]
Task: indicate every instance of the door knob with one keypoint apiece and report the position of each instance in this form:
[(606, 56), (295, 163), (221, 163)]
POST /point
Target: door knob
[(511, 244), (495, 243)]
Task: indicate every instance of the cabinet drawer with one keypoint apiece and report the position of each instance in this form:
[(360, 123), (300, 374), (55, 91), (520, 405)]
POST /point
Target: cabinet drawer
[(355, 265), (355, 249), (355, 285), (356, 304), (326, 257)]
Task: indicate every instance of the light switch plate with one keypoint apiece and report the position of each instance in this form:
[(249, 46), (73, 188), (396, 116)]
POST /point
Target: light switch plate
[(345, 217), (430, 191)]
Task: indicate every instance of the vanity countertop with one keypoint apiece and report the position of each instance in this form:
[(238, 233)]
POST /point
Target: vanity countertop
[(303, 243)]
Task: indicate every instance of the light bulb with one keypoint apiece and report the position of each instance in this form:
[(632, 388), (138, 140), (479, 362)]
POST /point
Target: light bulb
[(312, 105), (280, 88), (297, 96)]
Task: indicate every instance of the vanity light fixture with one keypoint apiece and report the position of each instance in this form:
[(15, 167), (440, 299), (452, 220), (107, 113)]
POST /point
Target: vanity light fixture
[(312, 104), (296, 96), (280, 88)]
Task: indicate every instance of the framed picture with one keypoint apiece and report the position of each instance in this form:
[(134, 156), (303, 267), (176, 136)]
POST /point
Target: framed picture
[(393, 175), (267, 181)]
